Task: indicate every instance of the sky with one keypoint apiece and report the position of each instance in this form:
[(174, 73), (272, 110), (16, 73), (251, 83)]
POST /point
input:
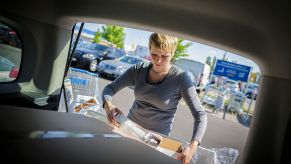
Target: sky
[(196, 51)]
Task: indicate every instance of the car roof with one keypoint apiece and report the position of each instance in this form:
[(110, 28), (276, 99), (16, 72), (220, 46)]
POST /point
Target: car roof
[(132, 56)]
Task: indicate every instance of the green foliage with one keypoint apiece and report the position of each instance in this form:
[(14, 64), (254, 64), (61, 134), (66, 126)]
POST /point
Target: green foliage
[(112, 34), (97, 37), (181, 50)]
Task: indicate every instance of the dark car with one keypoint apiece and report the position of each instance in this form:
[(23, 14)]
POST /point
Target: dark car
[(89, 55), (8, 36), (251, 90)]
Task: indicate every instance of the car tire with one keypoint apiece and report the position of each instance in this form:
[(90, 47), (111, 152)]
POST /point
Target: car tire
[(93, 66), (73, 64)]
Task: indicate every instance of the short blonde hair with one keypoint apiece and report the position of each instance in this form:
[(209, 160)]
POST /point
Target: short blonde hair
[(163, 42)]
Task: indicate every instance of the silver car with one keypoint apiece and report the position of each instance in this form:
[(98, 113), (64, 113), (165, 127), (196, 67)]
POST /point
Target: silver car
[(115, 68)]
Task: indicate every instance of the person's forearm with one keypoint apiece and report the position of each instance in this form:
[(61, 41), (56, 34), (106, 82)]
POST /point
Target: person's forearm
[(200, 124), (118, 84), (198, 112)]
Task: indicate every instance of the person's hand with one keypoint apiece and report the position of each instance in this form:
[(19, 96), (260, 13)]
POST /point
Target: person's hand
[(111, 110), (157, 136), (187, 153)]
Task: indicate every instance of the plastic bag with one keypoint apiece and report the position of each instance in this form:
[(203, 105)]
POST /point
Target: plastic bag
[(225, 155)]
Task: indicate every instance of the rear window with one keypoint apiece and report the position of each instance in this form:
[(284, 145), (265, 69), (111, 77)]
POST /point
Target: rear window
[(10, 53)]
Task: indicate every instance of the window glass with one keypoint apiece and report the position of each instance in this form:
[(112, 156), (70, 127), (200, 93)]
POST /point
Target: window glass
[(120, 53), (130, 60), (10, 53)]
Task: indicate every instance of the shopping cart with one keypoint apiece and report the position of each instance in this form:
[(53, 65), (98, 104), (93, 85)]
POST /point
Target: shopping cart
[(83, 82), (236, 101), (210, 95), (84, 86)]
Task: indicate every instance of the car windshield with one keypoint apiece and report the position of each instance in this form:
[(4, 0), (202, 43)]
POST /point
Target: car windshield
[(98, 47), (130, 60)]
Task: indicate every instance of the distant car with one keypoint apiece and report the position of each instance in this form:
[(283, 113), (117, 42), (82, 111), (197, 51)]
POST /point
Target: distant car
[(234, 88), (251, 90), (5, 64), (89, 55), (14, 72), (8, 70), (115, 68), (8, 36), (232, 85)]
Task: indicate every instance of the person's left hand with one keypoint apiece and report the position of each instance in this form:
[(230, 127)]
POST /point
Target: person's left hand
[(187, 153)]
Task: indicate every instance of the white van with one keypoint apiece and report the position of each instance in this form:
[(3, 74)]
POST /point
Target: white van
[(199, 70)]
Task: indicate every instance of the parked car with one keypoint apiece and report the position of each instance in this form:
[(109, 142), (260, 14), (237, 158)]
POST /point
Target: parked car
[(8, 70), (251, 90), (9, 36), (14, 72), (89, 55), (115, 68), (232, 85)]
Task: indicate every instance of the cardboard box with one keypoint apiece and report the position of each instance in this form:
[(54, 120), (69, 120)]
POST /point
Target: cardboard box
[(171, 144)]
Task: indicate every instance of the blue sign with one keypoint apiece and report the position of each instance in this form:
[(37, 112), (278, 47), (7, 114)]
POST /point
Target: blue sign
[(233, 71)]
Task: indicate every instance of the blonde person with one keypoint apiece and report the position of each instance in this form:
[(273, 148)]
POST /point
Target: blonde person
[(159, 87)]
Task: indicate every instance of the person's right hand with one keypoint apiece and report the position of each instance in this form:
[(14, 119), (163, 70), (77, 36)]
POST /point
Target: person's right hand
[(111, 110)]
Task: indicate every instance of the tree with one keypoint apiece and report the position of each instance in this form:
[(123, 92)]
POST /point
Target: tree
[(97, 37), (181, 50), (208, 61), (253, 77), (112, 34)]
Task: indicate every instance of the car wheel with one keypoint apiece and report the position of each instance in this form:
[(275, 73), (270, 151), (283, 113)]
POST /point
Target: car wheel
[(73, 64), (93, 65)]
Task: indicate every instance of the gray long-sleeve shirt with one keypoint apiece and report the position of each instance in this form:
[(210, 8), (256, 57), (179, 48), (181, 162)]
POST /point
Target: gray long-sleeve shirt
[(155, 105)]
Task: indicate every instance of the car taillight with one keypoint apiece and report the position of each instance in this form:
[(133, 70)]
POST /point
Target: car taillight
[(14, 72), (12, 33)]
